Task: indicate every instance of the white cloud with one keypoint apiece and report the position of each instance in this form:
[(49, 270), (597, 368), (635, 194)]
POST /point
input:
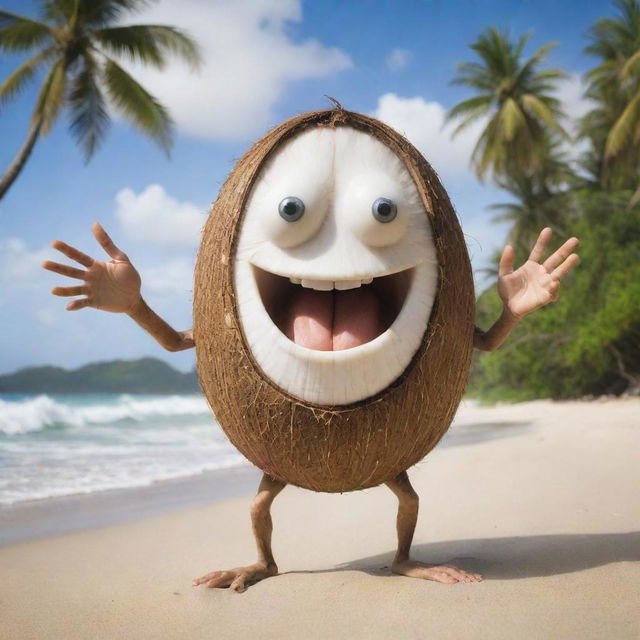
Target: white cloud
[(21, 266), (570, 93), (422, 123), (154, 217), (173, 278), (48, 316), (398, 59), (575, 105), (249, 58)]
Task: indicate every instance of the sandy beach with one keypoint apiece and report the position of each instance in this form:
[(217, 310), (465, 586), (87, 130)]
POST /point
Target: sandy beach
[(540, 497)]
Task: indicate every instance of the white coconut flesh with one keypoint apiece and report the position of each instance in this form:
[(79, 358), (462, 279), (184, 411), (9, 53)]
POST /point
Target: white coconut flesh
[(334, 296)]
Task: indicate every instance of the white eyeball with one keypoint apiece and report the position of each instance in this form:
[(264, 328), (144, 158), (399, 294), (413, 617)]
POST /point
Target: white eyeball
[(374, 208), (290, 201), (290, 220)]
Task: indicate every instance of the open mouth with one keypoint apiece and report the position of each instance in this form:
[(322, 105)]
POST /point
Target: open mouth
[(339, 345), (333, 315)]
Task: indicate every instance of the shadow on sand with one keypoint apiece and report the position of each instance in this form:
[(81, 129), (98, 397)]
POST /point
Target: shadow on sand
[(514, 558), (478, 432)]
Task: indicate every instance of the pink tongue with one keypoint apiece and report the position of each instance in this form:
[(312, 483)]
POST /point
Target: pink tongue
[(333, 320)]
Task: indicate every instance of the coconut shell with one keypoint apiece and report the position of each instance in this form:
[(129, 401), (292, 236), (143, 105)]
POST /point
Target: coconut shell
[(333, 449)]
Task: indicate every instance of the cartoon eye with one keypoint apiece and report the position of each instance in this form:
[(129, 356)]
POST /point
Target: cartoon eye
[(384, 210), (291, 209)]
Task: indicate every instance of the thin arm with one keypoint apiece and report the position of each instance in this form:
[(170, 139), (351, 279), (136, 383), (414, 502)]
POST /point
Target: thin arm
[(490, 340), (155, 326)]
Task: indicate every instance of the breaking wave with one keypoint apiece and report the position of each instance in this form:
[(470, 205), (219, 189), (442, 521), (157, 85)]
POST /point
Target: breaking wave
[(43, 412)]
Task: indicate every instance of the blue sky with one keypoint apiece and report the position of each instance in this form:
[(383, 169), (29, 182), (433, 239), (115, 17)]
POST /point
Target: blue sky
[(266, 60)]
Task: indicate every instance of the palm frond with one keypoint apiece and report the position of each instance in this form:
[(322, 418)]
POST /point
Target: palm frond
[(630, 66), (149, 43), (622, 130), (58, 10), (519, 48), (471, 118), (137, 105), (51, 97), (536, 108), (468, 106), (100, 12), (89, 117), (18, 33), (511, 119), (20, 78), (91, 12)]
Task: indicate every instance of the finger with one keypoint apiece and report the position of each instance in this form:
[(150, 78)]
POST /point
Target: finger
[(541, 244), (78, 304), (561, 254), (554, 290), (69, 291), (64, 270), (238, 584), (107, 243), (506, 261), (565, 267), (73, 253)]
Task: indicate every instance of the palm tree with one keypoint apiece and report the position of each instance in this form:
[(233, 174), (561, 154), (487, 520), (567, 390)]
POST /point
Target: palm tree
[(541, 199), (613, 126), (516, 97), (76, 43)]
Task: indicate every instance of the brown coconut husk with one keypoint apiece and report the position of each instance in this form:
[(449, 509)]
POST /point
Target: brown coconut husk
[(344, 448)]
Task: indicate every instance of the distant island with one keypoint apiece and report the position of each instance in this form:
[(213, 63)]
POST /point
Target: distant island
[(146, 375)]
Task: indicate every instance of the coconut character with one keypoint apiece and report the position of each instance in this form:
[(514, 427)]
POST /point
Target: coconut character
[(333, 316)]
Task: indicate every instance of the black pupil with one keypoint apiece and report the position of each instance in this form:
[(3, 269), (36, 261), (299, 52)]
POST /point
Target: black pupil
[(291, 208), (384, 209)]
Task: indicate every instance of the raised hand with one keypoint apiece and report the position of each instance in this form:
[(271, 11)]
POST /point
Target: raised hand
[(109, 286), (535, 284)]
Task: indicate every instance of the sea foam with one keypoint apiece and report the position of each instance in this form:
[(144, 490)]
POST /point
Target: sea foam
[(42, 412)]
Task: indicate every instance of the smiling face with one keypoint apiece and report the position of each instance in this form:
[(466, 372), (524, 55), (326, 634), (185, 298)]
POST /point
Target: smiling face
[(336, 270), (333, 304)]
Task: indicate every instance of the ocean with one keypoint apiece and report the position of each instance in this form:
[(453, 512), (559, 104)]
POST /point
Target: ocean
[(59, 445)]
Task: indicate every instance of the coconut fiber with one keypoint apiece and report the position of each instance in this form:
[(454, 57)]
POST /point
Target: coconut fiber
[(344, 448)]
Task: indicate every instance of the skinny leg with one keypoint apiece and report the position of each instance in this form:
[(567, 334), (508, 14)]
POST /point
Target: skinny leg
[(406, 524), (240, 578)]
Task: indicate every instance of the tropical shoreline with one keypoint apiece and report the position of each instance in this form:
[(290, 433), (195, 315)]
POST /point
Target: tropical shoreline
[(540, 497), (55, 516)]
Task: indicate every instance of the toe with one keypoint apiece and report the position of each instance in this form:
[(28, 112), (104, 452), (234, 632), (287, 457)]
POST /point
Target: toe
[(223, 579), (205, 578), (238, 585)]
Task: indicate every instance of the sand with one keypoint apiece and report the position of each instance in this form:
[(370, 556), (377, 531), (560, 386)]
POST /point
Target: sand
[(541, 498)]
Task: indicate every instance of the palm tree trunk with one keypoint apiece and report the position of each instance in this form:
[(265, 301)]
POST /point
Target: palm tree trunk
[(20, 158)]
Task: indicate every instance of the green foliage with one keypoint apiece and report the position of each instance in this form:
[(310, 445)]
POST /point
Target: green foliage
[(541, 199), (589, 341)]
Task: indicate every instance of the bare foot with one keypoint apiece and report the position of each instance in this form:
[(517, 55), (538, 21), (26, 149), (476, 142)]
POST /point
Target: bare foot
[(237, 579), (439, 573)]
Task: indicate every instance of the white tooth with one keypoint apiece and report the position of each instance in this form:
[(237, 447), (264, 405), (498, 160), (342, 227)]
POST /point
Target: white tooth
[(367, 281), (318, 285), (295, 280), (342, 285)]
